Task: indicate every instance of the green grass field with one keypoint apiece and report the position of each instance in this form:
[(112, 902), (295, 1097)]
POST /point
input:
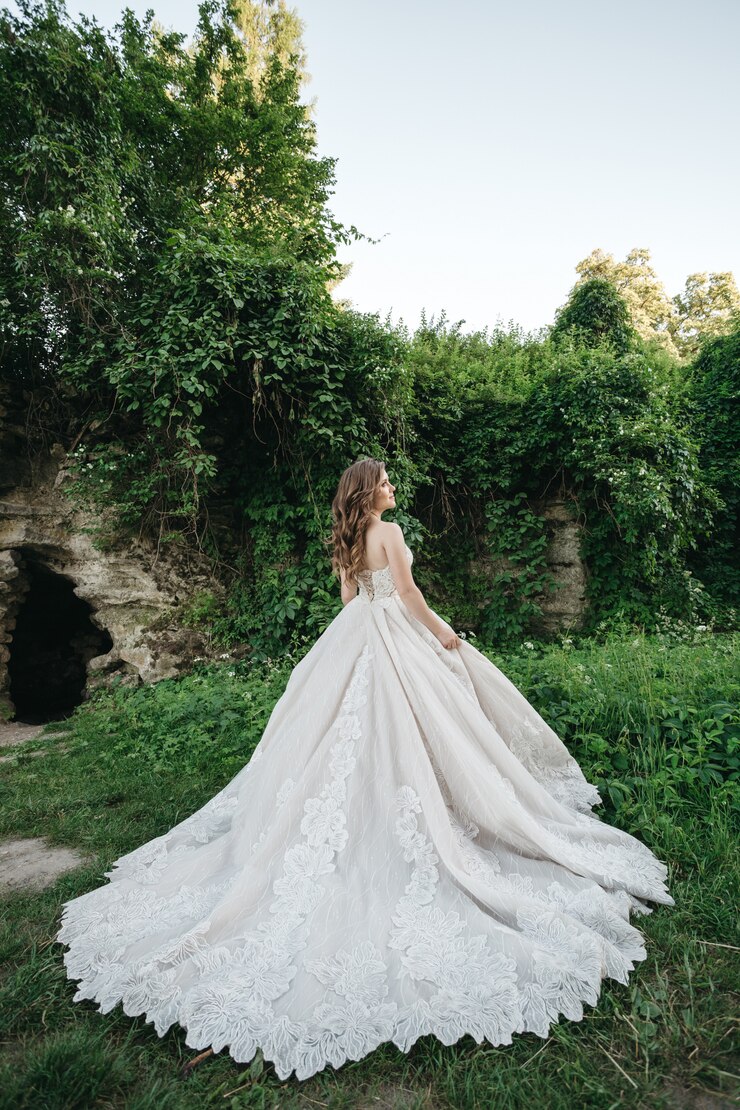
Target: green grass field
[(653, 722)]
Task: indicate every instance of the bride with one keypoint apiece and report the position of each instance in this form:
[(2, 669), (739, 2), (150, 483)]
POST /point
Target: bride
[(410, 850)]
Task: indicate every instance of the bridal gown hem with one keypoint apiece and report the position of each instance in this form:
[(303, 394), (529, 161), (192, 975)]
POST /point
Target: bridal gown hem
[(410, 850)]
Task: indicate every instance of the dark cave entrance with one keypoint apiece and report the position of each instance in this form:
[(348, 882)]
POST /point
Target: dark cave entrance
[(53, 640)]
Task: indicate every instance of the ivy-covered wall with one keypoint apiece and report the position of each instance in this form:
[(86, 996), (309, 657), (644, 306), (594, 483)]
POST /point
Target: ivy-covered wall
[(166, 259)]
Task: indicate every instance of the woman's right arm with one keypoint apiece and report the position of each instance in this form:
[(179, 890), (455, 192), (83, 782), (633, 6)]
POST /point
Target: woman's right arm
[(409, 592)]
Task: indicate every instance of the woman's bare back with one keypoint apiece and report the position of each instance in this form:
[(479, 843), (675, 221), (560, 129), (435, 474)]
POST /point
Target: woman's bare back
[(375, 556)]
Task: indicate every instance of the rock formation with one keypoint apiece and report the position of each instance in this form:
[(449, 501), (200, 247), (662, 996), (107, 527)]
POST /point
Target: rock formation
[(563, 609), (72, 616)]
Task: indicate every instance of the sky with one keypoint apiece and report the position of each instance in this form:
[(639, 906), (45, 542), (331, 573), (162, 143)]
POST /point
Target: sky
[(490, 145)]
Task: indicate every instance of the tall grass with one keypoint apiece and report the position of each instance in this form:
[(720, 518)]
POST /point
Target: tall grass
[(655, 723)]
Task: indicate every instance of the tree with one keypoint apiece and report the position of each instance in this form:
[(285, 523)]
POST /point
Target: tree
[(650, 308), (596, 313), (709, 307), (715, 410), (109, 143), (164, 229), (270, 30)]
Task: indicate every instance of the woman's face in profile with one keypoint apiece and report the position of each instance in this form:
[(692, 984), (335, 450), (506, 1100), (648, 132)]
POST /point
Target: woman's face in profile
[(385, 496)]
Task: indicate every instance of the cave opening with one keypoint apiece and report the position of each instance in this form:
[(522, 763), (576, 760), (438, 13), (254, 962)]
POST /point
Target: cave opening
[(53, 640)]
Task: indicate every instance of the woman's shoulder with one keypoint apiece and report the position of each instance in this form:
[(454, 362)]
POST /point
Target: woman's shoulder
[(385, 529), (386, 537), (390, 534), (391, 528)]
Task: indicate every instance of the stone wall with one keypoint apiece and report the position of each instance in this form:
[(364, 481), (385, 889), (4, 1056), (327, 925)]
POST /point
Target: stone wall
[(564, 609), (133, 595), (13, 589)]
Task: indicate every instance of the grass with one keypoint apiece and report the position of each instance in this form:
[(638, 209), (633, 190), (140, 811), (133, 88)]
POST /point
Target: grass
[(654, 723)]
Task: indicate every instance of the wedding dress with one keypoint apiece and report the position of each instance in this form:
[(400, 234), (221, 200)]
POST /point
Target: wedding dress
[(410, 850)]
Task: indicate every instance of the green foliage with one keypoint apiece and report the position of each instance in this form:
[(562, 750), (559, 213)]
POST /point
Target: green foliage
[(516, 535), (596, 314), (667, 1030), (270, 29), (167, 229), (640, 710), (208, 364), (634, 471), (708, 307), (209, 720), (651, 312), (166, 258), (714, 402), (502, 419)]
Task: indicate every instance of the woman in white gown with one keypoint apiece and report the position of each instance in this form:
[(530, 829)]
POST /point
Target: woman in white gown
[(410, 850)]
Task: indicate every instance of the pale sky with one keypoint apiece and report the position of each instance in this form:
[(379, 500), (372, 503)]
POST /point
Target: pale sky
[(492, 144)]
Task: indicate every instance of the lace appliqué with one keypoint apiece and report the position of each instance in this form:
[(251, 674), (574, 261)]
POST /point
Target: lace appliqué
[(464, 987), (567, 969), (349, 1029), (634, 863), (231, 1003), (554, 768), (377, 587), (476, 988)]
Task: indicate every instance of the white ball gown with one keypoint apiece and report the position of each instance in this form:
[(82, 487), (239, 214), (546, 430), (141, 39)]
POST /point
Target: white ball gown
[(410, 850)]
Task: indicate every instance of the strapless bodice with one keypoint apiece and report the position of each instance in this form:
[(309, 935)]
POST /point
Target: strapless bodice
[(377, 585)]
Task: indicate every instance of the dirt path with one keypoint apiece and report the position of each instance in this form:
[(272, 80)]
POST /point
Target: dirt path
[(30, 863), (16, 732)]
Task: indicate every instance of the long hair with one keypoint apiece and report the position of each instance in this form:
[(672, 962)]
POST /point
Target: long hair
[(350, 512)]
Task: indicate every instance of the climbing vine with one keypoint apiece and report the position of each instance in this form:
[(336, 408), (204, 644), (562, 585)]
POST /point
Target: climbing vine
[(517, 535), (166, 261)]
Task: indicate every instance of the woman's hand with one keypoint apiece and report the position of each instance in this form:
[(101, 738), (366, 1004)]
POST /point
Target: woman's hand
[(449, 639)]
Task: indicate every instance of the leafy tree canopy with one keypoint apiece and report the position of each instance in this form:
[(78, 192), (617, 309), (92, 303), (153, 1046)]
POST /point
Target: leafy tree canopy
[(114, 146), (166, 254), (596, 313), (270, 29), (708, 306)]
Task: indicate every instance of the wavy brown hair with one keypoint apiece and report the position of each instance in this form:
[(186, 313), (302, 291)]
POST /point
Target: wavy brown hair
[(350, 512)]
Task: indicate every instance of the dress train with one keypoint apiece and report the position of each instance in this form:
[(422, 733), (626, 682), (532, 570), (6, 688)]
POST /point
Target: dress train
[(410, 850)]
